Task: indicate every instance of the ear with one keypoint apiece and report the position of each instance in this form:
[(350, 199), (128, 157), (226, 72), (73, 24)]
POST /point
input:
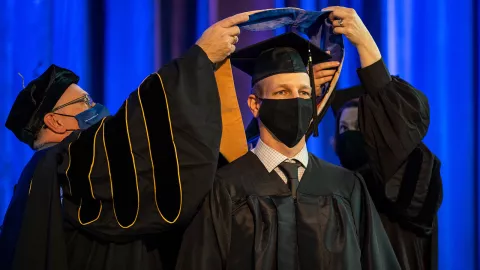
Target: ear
[(54, 123), (254, 105)]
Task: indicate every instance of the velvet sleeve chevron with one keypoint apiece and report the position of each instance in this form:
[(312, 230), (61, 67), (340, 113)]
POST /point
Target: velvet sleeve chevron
[(394, 118), (151, 164)]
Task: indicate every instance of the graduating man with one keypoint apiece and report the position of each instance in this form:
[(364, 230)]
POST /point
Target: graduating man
[(379, 130), (279, 206), (126, 179)]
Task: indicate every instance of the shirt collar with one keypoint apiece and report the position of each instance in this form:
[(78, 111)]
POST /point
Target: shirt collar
[(271, 158)]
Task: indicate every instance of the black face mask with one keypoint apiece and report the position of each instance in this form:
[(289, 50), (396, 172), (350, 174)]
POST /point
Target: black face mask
[(287, 119), (350, 148)]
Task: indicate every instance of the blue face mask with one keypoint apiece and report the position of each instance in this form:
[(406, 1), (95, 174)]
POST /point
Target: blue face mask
[(89, 117)]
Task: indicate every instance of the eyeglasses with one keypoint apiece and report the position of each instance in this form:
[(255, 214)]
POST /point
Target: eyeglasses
[(85, 99)]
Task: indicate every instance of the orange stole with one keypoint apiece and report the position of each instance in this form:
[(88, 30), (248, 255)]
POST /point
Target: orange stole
[(234, 142)]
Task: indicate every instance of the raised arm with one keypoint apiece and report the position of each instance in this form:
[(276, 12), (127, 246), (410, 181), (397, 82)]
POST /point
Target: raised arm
[(394, 118), (163, 142)]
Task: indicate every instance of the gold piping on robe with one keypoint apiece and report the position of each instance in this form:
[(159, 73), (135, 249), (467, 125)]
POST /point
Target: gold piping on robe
[(93, 158), (86, 223), (151, 157), (90, 181), (134, 168)]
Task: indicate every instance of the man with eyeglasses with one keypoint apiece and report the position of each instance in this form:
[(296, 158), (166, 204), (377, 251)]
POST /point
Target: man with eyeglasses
[(130, 181)]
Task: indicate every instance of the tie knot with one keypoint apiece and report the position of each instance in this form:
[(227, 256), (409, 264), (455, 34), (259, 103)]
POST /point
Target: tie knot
[(290, 169)]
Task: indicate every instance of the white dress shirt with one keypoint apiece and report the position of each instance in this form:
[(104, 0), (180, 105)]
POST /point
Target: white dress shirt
[(271, 158)]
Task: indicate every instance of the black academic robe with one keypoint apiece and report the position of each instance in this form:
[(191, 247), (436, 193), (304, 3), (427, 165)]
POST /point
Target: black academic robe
[(130, 183), (250, 221), (403, 175)]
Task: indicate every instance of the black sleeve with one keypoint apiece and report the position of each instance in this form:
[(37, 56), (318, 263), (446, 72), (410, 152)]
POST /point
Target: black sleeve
[(205, 244), (394, 118), (377, 252), (163, 143)]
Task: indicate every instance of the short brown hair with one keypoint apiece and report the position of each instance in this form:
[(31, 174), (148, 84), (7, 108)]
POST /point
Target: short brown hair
[(257, 89)]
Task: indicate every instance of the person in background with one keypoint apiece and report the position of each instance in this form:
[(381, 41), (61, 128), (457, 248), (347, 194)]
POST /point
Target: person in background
[(380, 126), (130, 181)]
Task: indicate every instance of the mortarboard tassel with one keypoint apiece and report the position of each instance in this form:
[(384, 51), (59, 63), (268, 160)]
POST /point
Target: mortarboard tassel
[(314, 93)]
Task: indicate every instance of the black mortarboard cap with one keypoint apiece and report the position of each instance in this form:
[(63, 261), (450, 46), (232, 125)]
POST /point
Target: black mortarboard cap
[(287, 53), (342, 96), (36, 100)]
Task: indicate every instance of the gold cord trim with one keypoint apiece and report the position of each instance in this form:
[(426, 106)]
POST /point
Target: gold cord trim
[(90, 180), (93, 158), (134, 168), (86, 223), (151, 157)]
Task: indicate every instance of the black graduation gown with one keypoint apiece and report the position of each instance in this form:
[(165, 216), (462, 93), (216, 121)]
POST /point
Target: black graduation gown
[(250, 221), (130, 183), (403, 175)]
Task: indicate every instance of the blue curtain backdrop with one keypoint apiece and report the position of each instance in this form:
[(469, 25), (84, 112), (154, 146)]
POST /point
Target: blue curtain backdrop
[(113, 45)]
